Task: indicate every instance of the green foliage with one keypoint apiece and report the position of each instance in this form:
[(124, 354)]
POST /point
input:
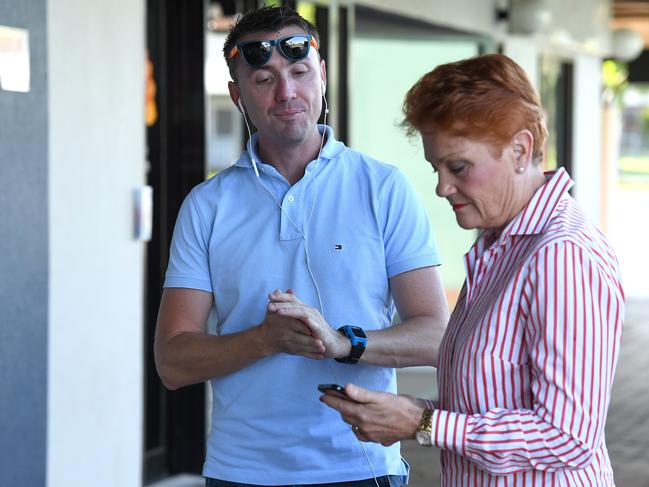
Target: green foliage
[(615, 80)]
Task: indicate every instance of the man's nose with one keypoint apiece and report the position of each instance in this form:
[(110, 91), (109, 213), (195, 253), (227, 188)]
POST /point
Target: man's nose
[(285, 89)]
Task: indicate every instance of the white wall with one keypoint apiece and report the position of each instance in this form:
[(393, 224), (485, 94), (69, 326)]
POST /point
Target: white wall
[(96, 128), (217, 75), (472, 15), (587, 109), (587, 134), (380, 71), (581, 23), (525, 52)]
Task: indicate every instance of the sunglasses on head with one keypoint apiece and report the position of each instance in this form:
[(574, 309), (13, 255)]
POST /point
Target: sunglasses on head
[(258, 53)]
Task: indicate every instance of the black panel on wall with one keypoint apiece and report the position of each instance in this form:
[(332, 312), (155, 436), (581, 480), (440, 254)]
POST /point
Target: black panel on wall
[(343, 78), (639, 69), (565, 102), (341, 103), (24, 264), (175, 421)]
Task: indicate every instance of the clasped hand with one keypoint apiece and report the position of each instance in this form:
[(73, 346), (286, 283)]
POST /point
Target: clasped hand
[(300, 329)]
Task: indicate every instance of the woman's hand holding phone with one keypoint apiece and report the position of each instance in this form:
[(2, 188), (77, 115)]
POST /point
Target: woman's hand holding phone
[(335, 390)]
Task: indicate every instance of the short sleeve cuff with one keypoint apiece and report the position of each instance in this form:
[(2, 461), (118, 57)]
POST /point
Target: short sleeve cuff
[(188, 282), (405, 265)]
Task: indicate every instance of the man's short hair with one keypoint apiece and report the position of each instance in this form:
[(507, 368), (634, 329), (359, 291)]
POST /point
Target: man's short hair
[(264, 19), (487, 98)]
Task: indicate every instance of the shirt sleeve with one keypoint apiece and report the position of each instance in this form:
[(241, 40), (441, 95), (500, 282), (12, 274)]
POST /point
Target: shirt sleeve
[(188, 257), (573, 333), (408, 237)]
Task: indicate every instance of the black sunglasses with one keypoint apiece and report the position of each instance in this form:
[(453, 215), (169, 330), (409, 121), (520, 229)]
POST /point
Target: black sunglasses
[(258, 53)]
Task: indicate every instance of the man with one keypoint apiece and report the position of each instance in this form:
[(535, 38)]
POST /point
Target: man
[(342, 235)]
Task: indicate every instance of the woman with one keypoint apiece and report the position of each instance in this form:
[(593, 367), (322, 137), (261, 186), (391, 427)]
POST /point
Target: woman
[(526, 365)]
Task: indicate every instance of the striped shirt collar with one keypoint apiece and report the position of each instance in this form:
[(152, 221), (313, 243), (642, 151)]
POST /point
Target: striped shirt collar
[(537, 214)]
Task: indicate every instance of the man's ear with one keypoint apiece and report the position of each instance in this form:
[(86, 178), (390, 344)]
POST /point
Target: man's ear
[(235, 96), (323, 71)]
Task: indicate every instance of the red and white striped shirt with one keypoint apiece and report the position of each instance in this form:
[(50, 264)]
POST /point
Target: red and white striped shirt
[(527, 362)]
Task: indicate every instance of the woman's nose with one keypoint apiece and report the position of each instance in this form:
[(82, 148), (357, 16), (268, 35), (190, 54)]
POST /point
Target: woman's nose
[(444, 186)]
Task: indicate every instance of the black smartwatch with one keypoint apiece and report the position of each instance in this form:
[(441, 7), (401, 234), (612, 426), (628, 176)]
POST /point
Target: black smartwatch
[(358, 339)]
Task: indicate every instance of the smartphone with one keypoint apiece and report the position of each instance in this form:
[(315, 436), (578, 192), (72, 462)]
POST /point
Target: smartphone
[(334, 390)]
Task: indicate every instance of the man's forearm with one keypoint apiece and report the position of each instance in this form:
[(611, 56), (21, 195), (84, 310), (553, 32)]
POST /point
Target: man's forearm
[(190, 358), (407, 344)]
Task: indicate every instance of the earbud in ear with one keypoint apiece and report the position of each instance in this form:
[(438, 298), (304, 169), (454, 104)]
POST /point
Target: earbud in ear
[(324, 87), (241, 106)]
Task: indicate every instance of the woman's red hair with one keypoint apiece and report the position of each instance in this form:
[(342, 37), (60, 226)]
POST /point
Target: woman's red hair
[(488, 98)]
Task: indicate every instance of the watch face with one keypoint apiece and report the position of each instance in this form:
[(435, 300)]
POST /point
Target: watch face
[(424, 438), (358, 332)]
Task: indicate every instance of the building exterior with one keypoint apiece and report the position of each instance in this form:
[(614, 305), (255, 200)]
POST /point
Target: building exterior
[(75, 313)]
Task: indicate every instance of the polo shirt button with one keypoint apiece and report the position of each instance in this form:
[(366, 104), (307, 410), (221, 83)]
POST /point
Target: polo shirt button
[(290, 197)]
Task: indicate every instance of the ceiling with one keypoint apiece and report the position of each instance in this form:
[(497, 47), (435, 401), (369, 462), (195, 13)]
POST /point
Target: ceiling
[(630, 9), (631, 14)]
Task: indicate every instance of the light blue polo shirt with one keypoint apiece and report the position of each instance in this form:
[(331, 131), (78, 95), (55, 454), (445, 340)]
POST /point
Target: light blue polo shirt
[(361, 223)]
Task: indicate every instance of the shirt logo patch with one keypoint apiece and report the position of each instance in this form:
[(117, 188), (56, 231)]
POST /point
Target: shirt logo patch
[(338, 247)]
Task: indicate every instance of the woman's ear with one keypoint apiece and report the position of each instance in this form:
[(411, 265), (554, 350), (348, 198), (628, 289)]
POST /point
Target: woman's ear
[(522, 145)]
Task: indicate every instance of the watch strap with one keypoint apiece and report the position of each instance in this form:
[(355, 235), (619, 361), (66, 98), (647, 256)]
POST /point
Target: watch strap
[(424, 431), (358, 341)]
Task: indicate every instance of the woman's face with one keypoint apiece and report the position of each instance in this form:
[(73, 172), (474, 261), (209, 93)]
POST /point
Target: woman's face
[(481, 188)]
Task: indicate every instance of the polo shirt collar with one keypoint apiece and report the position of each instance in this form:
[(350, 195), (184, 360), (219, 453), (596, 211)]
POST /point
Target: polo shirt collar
[(331, 149)]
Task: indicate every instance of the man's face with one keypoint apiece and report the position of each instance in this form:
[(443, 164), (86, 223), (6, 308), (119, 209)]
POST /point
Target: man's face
[(283, 98)]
